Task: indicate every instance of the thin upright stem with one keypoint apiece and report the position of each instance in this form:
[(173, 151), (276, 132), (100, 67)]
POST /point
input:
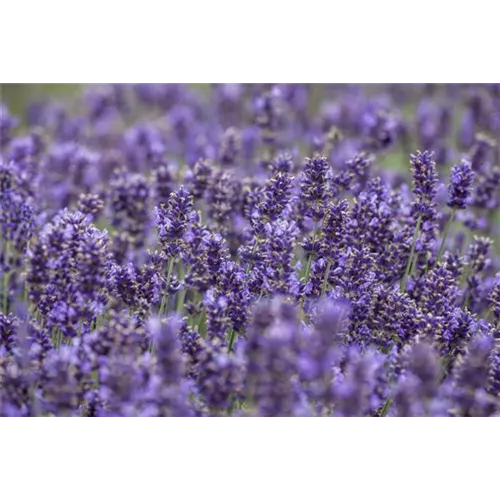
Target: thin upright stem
[(249, 265), (201, 323), (490, 316), (309, 261), (325, 280), (5, 306), (165, 292), (182, 294), (445, 233), (386, 407), (414, 263), (412, 251), (6, 279), (232, 338)]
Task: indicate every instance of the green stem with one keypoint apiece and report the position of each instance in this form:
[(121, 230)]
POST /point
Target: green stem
[(465, 274), (414, 242), (445, 233), (309, 261), (466, 300), (6, 278), (192, 320), (201, 323), (180, 301), (445, 364), (25, 291), (386, 407), (164, 297), (57, 338), (325, 280), (233, 406), (182, 294), (490, 316), (232, 338), (195, 299), (253, 251), (414, 263)]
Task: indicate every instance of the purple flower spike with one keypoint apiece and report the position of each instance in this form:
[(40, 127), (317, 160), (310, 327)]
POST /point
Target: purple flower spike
[(460, 187)]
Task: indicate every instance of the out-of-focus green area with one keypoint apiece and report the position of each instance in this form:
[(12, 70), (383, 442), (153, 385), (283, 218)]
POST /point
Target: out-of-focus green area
[(17, 96)]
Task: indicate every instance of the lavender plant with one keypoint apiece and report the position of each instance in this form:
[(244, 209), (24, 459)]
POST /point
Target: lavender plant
[(251, 250)]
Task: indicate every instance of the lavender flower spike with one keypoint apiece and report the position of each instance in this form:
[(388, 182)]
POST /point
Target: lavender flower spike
[(460, 187), (459, 192), (495, 299), (425, 179)]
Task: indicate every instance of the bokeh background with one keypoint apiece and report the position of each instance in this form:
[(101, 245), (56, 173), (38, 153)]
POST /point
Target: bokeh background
[(405, 97), (18, 96), (17, 93)]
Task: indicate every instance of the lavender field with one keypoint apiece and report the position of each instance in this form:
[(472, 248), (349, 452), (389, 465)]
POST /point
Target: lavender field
[(251, 250)]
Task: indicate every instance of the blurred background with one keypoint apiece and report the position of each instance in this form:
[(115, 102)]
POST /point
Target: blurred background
[(406, 98), (18, 93), (18, 96)]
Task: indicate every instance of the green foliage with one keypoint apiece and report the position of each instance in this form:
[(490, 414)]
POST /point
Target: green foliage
[(18, 96)]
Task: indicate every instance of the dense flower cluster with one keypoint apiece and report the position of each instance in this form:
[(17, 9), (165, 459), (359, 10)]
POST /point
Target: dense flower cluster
[(244, 250)]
